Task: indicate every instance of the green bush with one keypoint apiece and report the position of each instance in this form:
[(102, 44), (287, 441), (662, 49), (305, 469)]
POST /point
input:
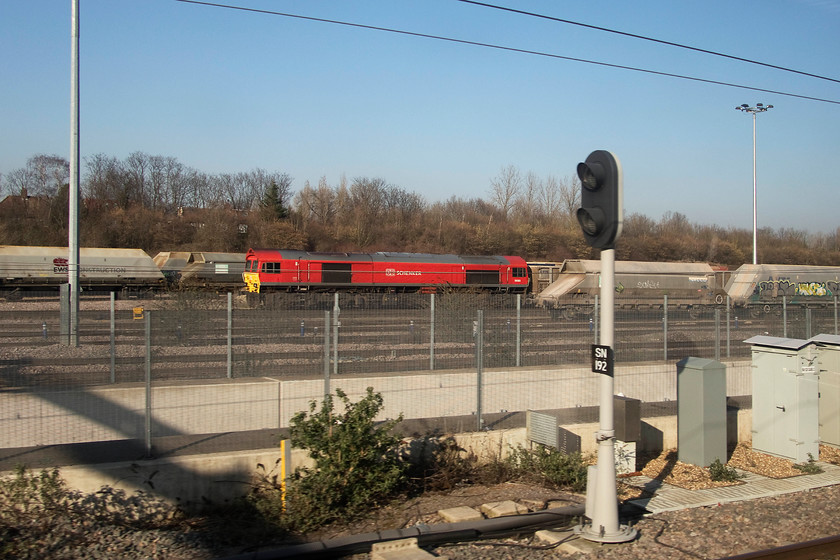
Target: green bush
[(357, 462)]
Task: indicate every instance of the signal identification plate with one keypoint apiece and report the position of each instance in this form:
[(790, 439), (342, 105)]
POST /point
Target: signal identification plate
[(602, 359)]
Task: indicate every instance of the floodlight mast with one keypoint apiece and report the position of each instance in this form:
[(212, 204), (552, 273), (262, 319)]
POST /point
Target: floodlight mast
[(759, 108)]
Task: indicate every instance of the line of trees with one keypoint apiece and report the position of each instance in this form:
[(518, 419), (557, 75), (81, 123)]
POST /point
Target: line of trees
[(156, 203)]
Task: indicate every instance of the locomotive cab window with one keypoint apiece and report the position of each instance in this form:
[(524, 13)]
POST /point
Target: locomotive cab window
[(271, 268), (517, 272)]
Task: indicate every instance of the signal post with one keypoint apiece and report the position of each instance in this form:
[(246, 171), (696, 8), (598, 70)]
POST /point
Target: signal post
[(601, 216)]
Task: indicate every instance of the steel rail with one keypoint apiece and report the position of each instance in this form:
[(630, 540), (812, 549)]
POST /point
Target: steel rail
[(807, 550)]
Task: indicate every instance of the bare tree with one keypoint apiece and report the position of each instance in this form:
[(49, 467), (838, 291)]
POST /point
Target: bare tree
[(106, 179), (526, 204), (504, 188), (44, 175), (318, 204)]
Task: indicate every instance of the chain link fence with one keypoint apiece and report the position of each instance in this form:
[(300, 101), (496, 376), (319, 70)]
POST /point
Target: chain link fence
[(194, 364)]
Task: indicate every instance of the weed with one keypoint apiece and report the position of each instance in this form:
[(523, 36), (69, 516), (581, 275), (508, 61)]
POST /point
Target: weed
[(549, 466), (810, 467), (719, 472)]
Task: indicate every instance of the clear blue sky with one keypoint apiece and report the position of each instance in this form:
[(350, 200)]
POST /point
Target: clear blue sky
[(227, 91)]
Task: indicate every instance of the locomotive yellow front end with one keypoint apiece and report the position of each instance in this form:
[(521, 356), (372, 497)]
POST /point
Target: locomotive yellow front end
[(252, 282)]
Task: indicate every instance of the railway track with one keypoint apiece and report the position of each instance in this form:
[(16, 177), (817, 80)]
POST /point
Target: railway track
[(817, 549)]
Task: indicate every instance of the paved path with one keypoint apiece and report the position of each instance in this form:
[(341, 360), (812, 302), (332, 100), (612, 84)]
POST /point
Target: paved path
[(667, 497)]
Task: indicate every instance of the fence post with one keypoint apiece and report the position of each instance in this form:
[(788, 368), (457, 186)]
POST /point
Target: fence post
[(596, 326), (336, 323), (229, 335), (728, 333), (835, 315), (518, 330), (479, 360), (717, 334), (432, 332), (784, 316), (808, 319), (113, 343), (326, 354), (665, 328), (148, 366)]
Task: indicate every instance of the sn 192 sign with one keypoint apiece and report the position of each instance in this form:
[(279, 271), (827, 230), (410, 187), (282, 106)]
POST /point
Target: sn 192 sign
[(602, 359)]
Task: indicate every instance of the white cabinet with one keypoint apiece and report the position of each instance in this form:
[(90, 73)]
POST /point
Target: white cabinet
[(785, 407)]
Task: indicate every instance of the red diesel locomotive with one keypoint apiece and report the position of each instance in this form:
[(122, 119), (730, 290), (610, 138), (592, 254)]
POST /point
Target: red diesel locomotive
[(272, 270)]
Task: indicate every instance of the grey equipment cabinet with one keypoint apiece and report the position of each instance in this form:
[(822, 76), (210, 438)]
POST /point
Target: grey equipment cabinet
[(701, 411), (785, 397), (828, 346)]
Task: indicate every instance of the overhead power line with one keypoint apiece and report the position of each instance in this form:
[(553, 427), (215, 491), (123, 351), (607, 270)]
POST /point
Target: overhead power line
[(645, 38), (504, 48)]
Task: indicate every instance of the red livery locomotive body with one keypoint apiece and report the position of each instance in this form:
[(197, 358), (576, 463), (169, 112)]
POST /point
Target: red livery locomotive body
[(291, 270)]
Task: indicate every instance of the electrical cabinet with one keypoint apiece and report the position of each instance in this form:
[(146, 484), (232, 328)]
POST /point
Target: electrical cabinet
[(785, 397), (828, 347), (701, 411)]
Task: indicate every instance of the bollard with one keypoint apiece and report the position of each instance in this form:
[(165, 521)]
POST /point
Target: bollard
[(178, 332), (44, 330), (508, 325), (302, 328), (736, 321), (591, 325)]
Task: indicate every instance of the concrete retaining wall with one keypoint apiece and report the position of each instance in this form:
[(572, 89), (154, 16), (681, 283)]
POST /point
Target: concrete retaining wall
[(220, 477), (32, 418)]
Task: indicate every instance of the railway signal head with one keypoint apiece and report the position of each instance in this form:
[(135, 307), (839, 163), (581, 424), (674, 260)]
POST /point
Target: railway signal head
[(601, 212)]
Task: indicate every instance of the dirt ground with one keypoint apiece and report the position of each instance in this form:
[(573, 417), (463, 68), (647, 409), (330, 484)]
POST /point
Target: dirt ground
[(665, 466)]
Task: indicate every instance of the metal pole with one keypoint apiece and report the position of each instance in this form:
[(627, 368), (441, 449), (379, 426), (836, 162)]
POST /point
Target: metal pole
[(230, 335), (759, 108), (518, 330), (755, 204), (432, 331), (784, 316), (148, 366), (728, 325), (604, 525), (326, 354), (596, 329), (717, 334), (113, 343), (73, 194), (479, 362), (665, 327), (835, 315), (808, 322), (336, 323)]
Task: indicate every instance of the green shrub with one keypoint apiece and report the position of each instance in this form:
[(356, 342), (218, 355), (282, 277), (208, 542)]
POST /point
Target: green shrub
[(357, 462)]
